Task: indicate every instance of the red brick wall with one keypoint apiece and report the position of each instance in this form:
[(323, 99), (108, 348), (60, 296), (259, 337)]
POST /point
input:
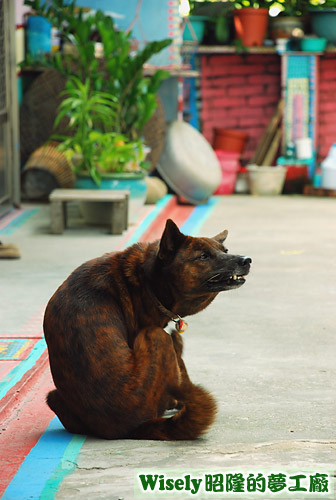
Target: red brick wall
[(239, 92), (326, 104)]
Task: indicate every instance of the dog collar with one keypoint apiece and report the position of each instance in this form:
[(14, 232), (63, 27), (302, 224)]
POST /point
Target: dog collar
[(180, 324)]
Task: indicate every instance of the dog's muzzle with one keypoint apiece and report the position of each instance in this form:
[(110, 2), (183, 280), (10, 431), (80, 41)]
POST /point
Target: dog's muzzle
[(224, 280)]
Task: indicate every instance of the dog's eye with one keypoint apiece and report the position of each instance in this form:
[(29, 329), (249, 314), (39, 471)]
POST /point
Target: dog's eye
[(204, 256)]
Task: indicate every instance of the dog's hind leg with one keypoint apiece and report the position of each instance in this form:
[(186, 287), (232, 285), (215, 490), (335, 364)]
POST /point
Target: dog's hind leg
[(156, 367), (70, 421), (197, 406)]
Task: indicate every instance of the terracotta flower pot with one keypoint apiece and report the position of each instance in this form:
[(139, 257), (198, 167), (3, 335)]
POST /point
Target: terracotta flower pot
[(251, 25), (229, 140)]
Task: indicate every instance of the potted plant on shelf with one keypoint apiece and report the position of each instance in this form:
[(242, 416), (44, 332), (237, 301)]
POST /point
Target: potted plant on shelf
[(291, 19), (114, 91), (99, 157), (117, 71), (219, 22), (251, 20), (194, 24)]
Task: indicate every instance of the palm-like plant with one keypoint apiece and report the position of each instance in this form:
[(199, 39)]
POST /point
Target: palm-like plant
[(91, 147), (120, 73), (86, 110), (111, 95)]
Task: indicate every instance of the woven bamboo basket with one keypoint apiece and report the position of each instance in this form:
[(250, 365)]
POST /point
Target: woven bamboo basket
[(38, 112), (46, 169)]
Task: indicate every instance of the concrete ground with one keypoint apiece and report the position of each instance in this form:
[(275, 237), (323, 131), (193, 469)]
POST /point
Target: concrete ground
[(266, 351)]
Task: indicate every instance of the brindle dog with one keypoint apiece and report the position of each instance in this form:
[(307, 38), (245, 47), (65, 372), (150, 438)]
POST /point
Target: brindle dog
[(115, 368)]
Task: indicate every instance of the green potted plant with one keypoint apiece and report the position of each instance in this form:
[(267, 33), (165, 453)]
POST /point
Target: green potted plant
[(99, 157), (251, 21), (119, 72), (291, 19), (90, 146), (116, 82), (218, 20)]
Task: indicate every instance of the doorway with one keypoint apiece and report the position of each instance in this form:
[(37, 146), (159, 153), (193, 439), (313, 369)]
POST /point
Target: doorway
[(9, 142)]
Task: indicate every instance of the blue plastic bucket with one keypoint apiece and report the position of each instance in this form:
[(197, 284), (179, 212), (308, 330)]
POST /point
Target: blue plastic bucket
[(38, 36)]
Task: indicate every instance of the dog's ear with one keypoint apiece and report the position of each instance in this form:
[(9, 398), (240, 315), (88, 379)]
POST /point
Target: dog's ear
[(170, 242), (221, 237)]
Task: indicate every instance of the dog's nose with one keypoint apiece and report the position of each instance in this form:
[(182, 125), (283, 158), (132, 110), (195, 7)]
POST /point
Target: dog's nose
[(245, 261)]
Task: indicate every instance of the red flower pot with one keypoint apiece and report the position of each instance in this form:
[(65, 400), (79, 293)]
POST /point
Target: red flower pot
[(229, 140), (251, 25)]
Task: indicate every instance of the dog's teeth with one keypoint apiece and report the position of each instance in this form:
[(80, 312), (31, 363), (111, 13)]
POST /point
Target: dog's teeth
[(234, 277)]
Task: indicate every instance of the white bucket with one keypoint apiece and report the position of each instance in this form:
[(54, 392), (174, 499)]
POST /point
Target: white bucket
[(329, 177), (266, 181), (304, 148)]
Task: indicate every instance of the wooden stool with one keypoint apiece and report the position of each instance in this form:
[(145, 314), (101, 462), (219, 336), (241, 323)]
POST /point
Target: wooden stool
[(119, 199)]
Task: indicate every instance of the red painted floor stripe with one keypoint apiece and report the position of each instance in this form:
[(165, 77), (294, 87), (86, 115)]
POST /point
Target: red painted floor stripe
[(19, 391), (26, 422), (179, 214), (7, 367)]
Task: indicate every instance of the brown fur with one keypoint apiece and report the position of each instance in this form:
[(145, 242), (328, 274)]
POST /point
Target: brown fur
[(115, 368)]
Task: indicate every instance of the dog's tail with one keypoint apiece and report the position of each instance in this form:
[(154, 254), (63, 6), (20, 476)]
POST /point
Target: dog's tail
[(197, 414)]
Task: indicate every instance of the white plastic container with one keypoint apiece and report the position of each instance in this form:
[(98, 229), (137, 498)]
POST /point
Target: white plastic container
[(266, 181), (329, 178), (304, 148), (281, 45), (328, 167)]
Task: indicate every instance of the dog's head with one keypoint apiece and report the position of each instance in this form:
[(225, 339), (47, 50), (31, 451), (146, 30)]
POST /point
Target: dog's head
[(201, 265)]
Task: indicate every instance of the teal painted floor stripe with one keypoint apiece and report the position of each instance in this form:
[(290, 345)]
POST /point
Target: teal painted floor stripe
[(197, 218), (66, 466), (55, 454), (42, 462), (19, 221), (23, 366)]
